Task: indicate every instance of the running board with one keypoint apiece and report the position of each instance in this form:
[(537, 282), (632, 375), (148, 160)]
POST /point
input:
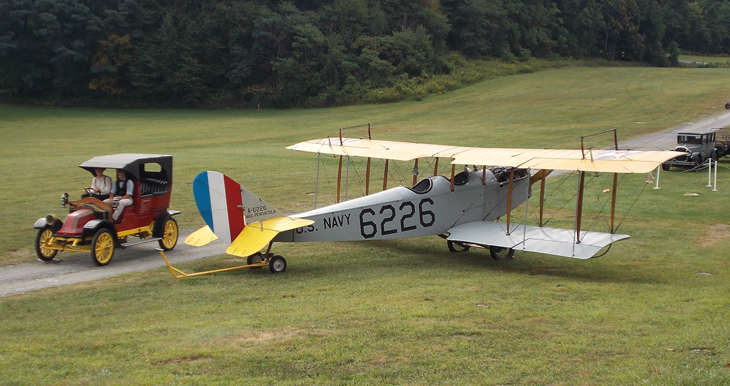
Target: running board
[(141, 241)]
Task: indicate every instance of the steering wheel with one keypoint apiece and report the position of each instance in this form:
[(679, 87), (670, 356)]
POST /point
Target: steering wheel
[(88, 191)]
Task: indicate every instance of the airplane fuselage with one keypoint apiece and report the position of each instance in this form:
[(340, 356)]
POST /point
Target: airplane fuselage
[(429, 208)]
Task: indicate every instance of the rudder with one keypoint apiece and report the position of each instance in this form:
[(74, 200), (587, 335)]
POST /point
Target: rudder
[(226, 206)]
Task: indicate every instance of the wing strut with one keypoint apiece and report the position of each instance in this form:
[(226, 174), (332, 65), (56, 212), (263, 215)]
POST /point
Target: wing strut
[(542, 197), (339, 178), (613, 201), (415, 172), (509, 197), (579, 206)]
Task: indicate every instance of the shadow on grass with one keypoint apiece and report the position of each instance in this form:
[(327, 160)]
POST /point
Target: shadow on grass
[(430, 255)]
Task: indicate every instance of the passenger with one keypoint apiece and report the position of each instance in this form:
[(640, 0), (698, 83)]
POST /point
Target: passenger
[(123, 188), (101, 185)]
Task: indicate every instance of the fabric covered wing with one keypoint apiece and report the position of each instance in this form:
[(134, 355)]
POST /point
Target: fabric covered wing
[(257, 235), (551, 241)]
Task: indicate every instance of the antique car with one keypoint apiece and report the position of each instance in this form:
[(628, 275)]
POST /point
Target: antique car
[(699, 147), (89, 226)]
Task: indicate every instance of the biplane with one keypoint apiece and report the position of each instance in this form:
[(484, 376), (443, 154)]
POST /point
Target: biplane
[(464, 208)]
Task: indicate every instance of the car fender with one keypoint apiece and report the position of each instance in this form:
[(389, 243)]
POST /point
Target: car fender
[(160, 221), (91, 227), (42, 223)]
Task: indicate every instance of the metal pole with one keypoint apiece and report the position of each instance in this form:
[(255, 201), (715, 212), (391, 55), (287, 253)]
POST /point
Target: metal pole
[(714, 189), (709, 175), (658, 171)]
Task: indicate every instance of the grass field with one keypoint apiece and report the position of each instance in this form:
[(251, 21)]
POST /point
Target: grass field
[(652, 311), (705, 59)]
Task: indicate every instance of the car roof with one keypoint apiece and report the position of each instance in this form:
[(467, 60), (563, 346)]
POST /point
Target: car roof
[(703, 133), (129, 162)]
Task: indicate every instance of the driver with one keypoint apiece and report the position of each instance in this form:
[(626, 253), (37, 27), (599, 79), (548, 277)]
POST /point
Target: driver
[(122, 188), (101, 185)]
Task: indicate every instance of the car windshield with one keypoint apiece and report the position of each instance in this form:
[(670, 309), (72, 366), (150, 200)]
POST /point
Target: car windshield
[(689, 139)]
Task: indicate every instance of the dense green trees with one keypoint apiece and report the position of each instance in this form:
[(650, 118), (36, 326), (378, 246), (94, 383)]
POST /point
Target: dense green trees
[(317, 52)]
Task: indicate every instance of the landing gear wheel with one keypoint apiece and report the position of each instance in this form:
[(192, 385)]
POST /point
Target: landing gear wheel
[(102, 247), (169, 236), (727, 106), (665, 167), (256, 258), (277, 264), (456, 247), (499, 253), (41, 238)]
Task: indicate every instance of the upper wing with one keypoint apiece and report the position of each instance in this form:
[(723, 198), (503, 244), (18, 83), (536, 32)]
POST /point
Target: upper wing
[(611, 161), (551, 241), (256, 235)]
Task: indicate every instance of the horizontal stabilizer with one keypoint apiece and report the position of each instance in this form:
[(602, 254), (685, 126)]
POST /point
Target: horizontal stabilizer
[(551, 241), (201, 237), (255, 236)]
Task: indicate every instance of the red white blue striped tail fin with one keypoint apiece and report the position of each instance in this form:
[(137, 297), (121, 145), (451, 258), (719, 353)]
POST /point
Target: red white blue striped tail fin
[(226, 206)]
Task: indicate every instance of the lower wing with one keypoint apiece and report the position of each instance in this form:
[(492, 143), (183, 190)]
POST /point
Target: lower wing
[(551, 241)]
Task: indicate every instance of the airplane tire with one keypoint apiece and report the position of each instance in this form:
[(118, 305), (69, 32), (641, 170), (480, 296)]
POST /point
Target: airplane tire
[(254, 259), (499, 253), (456, 247), (727, 106), (277, 264)]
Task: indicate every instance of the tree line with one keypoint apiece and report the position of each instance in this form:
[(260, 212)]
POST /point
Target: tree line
[(318, 52)]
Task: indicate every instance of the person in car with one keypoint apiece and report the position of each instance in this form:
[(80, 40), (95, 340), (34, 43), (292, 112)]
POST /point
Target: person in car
[(122, 188), (101, 185)]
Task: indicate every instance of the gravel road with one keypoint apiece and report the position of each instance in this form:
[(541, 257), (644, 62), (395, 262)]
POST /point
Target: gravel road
[(78, 267)]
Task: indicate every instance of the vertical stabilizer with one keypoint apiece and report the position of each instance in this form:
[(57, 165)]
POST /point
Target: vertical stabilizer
[(226, 206)]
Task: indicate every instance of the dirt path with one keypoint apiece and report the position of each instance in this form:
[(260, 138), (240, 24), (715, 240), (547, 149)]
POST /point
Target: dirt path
[(78, 267)]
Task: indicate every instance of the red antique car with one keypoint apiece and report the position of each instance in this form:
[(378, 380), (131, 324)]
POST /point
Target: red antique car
[(89, 227)]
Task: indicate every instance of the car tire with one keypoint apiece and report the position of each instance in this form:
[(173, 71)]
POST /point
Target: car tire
[(41, 238), (170, 233), (102, 247), (665, 167)]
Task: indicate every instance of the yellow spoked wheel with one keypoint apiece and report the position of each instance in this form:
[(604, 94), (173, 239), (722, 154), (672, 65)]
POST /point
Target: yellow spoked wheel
[(41, 244), (102, 247), (169, 235)]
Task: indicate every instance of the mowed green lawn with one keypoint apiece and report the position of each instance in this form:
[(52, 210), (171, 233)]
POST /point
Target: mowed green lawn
[(653, 310), (705, 59)]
